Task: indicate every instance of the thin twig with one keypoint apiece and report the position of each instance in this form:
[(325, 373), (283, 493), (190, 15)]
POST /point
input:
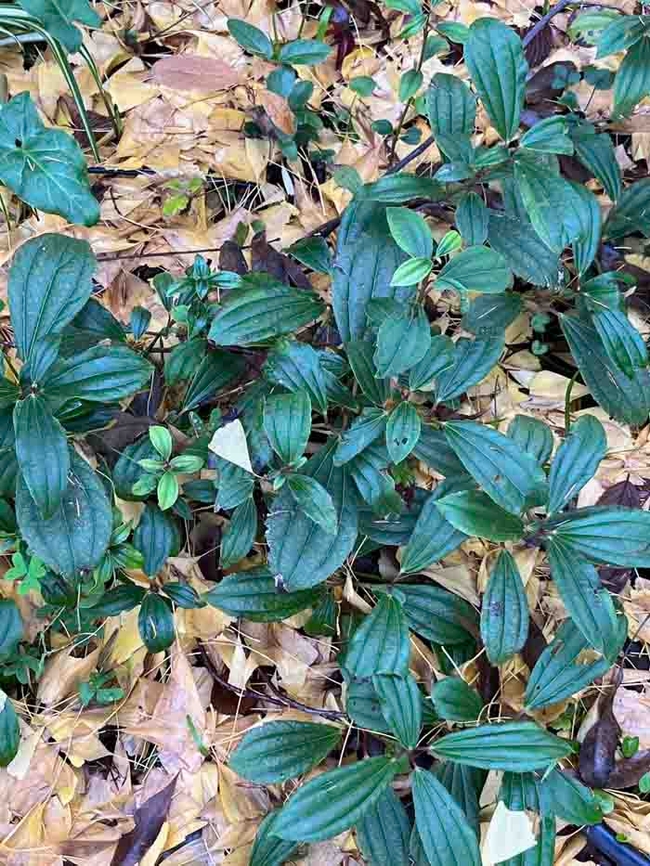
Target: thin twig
[(544, 20)]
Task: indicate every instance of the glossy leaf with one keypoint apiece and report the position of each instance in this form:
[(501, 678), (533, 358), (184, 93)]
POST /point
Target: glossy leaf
[(612, 535), (477, 269), (446, 836), (475, 513), (504, 611), (287, 423), (156, 537), (304, 52), (410, 232), (550, 135), (576, 461), (451, 106), (156, 623), (402, 431), (632, 82), (532, 436), (621, 341), (364, 430), (254, 595), (250, 38), (101, 374)]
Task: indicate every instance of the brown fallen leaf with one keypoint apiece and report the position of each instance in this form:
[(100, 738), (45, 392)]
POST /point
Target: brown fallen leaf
[(149, 818), (277, 108), (599, 746), (193, 72)]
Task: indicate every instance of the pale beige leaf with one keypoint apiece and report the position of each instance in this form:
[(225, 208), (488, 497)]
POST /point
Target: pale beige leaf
[(509, 834), (193, 72), (230, 443)]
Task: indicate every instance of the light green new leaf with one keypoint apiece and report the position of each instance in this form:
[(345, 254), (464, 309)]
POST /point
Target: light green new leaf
[(516, 746), (380, 645), (250, 315), (504, 611), (314, 500), (401, 706), (477, 269), (613, 535), (312, 814), (57, 17), (506, 473), (43, 166), (455, 701), (402, 341), (410, 232), (42, 452), (576, 461), (550, 135), (370, 425), (621, 340), (412, 272), (101, 374), (446, 836), (50, 281), (383, 832), (432, 539), (402, 431), (287, 423), (438, 615), (475, 513), (239, 536), (255, 595), (495, 59), (274, 752)]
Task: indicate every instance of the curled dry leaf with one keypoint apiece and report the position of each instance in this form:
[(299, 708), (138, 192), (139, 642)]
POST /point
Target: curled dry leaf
[(149, 819)]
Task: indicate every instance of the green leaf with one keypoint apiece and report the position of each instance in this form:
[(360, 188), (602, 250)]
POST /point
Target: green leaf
[(254, 595), (432, 539), (101, 374), (625, 398), (57, 16), (451, 106), (398, 188), (477, 269), (576, 461), (506, 473), (465, 785), (495, 59), (253, 315), (438, 615), (515, 746), (156, 537), (433, 450), (183, 359), (596, 153), (570, 799), (127, 469), (312, 498), (297, 367), (156, 623), (364, 707), (216, 370), (360, 355), (268, 849), (183, 595), (274, 752), (585, 245), (550, 135), (312, 814), (402, 431), (475, 513), (524, 251), (11, 626), (77, 534), (472, 215), (369, 471), (370, 425), (162, 441), (250, 38), (401, 706), (287, 423), (45, 167), (412, 272), (455, 701), (439, 357), (622, 342), (167, 490), (446, 836), (630, 214), (384, 830), (402, 342), (410, 232), (42, 452), (9, 731), (558, 672), (304, 52), (490, 315), (614, 535), (473, 360), (49, 282), (410, 83), (504, 611), (313, 252), (455, 31), (380, 645), (366, 259), (299, 550), (621, 34), (240, 534), (520, 793)]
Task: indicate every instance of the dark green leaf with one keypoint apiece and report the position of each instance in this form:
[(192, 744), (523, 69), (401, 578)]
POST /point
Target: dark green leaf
[(101, 374), (398, 188), (621, 34), (268, 849), (410, 83), (439, 357), (455, 701), (299, 550), (156, 623), (506, 473), (401, 706), (490, 315), (46, 168), (438, 615), (519, 792), (127, 470), (49, 282), (383, 832), (123, 597), (183, 595), (550, 135), (216, 370), (515, 746), (446, 836), (312, 499), (254, 595), (532, 436), (477, 269), (473, 360), (42, 452), (465, 785), (433, 450), (370, 425), (495, 59), (576, 461), (287, 423), (504, 611), (364, 707), (402, 341), (524, 251), (183, 360), (250, 38), (9, 731), (360, 355), (156, 537), (369, 471), (402, 431), (11, 626), (630, 213), (475, 513), (585, 245), (312, 813), (274, 752), (313, 253), (57, 17), (432, 539), (596, 153), (304, 52), (621, 341), (380, 645), (451, 105), (250, 315), (472, 215), (239, 537), (297, 367), (609, 534), (410, 232), (570, 799)]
